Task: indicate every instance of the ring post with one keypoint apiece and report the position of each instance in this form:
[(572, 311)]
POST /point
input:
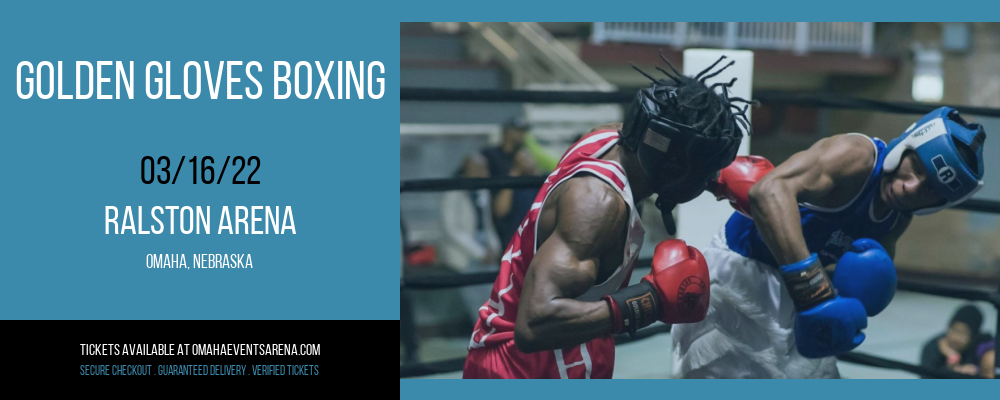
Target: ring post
[(699, 220)]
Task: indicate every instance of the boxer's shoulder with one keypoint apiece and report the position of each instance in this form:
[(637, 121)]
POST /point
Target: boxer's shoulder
[(586, 208), (586, 194), (848, 155), (838, 167)]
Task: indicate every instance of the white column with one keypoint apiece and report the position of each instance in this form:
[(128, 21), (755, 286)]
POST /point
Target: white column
[(680, 34), (801, 38), (867, 38), (731, 32), (699, 220), (598, 37)]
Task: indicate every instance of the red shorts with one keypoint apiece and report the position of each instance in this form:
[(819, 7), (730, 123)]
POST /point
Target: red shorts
[(591, 360)]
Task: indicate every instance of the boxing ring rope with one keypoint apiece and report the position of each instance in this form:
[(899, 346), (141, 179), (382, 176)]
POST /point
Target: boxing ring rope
[(878, 362), (450, 281), (441, 185), (456, 364), (818, 100), (445, 281), (535, 182)]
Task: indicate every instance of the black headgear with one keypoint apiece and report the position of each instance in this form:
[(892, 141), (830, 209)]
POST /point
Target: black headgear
[(681, 153)]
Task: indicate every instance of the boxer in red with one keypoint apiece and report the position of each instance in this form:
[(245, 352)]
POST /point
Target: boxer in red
[(562, 291)]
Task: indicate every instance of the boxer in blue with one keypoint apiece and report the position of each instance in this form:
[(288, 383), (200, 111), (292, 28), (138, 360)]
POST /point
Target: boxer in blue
[(774, 311)]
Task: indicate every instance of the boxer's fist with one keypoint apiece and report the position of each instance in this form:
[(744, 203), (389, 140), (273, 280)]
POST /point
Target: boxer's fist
[(675, 291), (826, 324), (831, 328), (735, 181), (866, 273)]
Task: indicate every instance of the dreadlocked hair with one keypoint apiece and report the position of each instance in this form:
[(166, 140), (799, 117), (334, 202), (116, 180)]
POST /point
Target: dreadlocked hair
[(690, 101)]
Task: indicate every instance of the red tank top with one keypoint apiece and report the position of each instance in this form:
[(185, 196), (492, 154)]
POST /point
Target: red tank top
[(495, 324)]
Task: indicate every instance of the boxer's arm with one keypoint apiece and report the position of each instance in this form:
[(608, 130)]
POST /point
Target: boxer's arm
[(589, 217), (808, 176)]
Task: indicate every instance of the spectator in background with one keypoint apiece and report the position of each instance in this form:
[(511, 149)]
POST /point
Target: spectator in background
[(470, 242), (958, 349), (511, 159)]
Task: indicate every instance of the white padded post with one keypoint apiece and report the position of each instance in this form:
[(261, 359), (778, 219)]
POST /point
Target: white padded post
[(699, 220)]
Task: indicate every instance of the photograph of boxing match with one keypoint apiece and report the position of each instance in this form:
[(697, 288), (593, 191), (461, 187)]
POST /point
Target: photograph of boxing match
[(684, 200)]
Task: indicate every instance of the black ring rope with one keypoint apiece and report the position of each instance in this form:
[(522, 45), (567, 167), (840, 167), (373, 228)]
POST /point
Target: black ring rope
[(443, 185), (954, 292), (873, 361), (986, 206), (446, 281), (824, 100), (456, 364)]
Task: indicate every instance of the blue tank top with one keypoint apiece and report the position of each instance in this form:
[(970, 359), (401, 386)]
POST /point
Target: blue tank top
[(828, 232)]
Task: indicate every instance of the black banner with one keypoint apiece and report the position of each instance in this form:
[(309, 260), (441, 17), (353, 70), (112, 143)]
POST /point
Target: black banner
[(113, 352)]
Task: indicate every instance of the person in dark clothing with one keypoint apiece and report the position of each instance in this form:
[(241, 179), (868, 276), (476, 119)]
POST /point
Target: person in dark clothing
[(957, 349), (511, 159)]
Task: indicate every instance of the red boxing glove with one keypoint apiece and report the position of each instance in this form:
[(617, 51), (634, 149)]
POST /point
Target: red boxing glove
[(676, 291), (735, 181), (680, 276)]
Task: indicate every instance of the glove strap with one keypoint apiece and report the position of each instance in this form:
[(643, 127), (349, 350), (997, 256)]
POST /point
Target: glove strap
[(667, 213), (633, 307), (807, 283)]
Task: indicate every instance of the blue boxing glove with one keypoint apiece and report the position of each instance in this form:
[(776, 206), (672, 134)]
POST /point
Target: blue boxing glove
[(866, 273), (825, 324)]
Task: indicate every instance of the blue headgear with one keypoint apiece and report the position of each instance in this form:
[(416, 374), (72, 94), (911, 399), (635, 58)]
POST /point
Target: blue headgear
[(934, 138)]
